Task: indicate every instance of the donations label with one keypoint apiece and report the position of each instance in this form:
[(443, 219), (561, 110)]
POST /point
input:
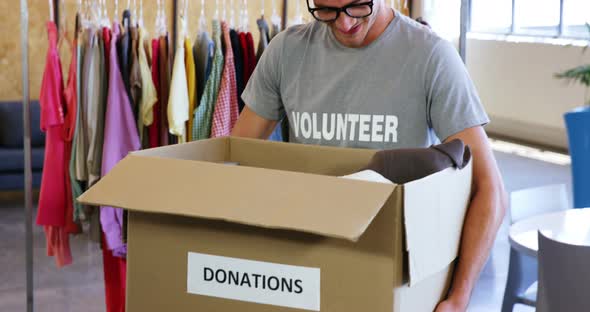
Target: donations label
[(254, 281)]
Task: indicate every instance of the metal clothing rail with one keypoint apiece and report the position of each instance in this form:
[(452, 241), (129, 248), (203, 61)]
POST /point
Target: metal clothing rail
[(24, 33)]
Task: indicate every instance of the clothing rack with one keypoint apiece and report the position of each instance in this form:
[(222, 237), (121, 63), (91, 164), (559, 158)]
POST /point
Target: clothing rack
[(28, 209)]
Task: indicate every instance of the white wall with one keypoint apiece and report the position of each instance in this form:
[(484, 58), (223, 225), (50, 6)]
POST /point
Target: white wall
[(519, 91)]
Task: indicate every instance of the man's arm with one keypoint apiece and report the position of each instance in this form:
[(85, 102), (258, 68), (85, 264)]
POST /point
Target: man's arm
[(251, 125), (482, 221)]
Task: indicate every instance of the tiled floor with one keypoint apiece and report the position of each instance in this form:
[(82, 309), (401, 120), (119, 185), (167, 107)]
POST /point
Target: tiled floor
[(74, 288), (79, 287)]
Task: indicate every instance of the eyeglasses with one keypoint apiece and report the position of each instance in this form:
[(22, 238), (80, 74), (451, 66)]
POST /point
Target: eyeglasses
[(330, 14)]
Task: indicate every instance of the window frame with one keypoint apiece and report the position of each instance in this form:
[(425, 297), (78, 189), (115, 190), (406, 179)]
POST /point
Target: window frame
[(561, 27)]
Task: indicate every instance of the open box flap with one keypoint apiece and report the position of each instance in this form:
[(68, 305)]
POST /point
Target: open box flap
[(435, 208), (323, 205)]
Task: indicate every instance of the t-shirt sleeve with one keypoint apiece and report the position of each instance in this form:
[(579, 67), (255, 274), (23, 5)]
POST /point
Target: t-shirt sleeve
[(51, 97), (262, 93), (453, 104)]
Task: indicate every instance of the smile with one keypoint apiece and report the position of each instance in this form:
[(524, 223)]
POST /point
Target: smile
[(352, 31)]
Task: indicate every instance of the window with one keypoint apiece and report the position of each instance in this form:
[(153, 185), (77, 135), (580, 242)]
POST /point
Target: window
[(537, 17), (576, 13), (548, 18), (491, 16)]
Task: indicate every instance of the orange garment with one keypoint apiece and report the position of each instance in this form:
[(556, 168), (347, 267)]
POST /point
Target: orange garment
[(191, 81)]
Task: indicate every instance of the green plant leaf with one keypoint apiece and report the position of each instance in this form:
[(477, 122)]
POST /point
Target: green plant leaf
[(579, 74)]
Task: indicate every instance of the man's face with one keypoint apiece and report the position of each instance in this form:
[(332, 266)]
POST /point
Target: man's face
[(350, 31)]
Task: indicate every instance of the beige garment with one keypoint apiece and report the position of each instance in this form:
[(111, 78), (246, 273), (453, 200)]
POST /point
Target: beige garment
[(82, 138), (178, 98), (93, 110), (135, 73), (96, 100), (149, 95), (191, 80)]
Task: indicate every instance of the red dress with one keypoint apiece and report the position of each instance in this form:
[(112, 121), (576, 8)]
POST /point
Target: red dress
[(53, 196)]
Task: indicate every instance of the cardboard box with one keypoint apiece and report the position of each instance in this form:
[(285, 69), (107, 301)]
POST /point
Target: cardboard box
[(281, 231)]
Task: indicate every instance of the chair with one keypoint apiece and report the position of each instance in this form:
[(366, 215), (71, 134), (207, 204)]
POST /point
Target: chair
[(564, 278), (522, 269)]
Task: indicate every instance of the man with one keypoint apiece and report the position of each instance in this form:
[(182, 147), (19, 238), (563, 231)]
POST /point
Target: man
[(363, 75)]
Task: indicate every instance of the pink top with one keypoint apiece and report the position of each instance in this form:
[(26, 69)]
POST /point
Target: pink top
[(52, 197), (226, 108), (120, 138)]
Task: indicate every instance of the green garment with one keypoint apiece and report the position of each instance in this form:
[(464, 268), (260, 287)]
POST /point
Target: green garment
[(76, 187), (203, 115)]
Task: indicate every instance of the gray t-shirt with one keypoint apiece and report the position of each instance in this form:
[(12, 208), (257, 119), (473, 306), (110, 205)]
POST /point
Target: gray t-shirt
[(407, 89)]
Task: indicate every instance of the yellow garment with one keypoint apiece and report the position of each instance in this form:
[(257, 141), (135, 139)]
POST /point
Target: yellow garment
[(191, 80), (178, 102), (149, 96)]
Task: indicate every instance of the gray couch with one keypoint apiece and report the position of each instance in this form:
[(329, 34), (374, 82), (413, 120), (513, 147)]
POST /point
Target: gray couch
[(11, 146)]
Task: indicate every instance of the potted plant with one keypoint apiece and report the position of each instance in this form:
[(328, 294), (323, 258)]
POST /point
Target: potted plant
[(577, 123)]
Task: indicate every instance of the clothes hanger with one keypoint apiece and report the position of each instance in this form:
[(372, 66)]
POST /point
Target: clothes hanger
[(275, 19), (217, 9), (262, 9), (134, 14), (245, 17), (115, 16), (86, 14), (224, 12), (202, 18), (232, 15), (105, 14), (63, 30), (96, 14), (241, 15), (79, 19), (298, 16), (100, 16), (157, 23), (62, 18), (140, 23), (82, 14), (163, 22), (184, 21), (51, 14)]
